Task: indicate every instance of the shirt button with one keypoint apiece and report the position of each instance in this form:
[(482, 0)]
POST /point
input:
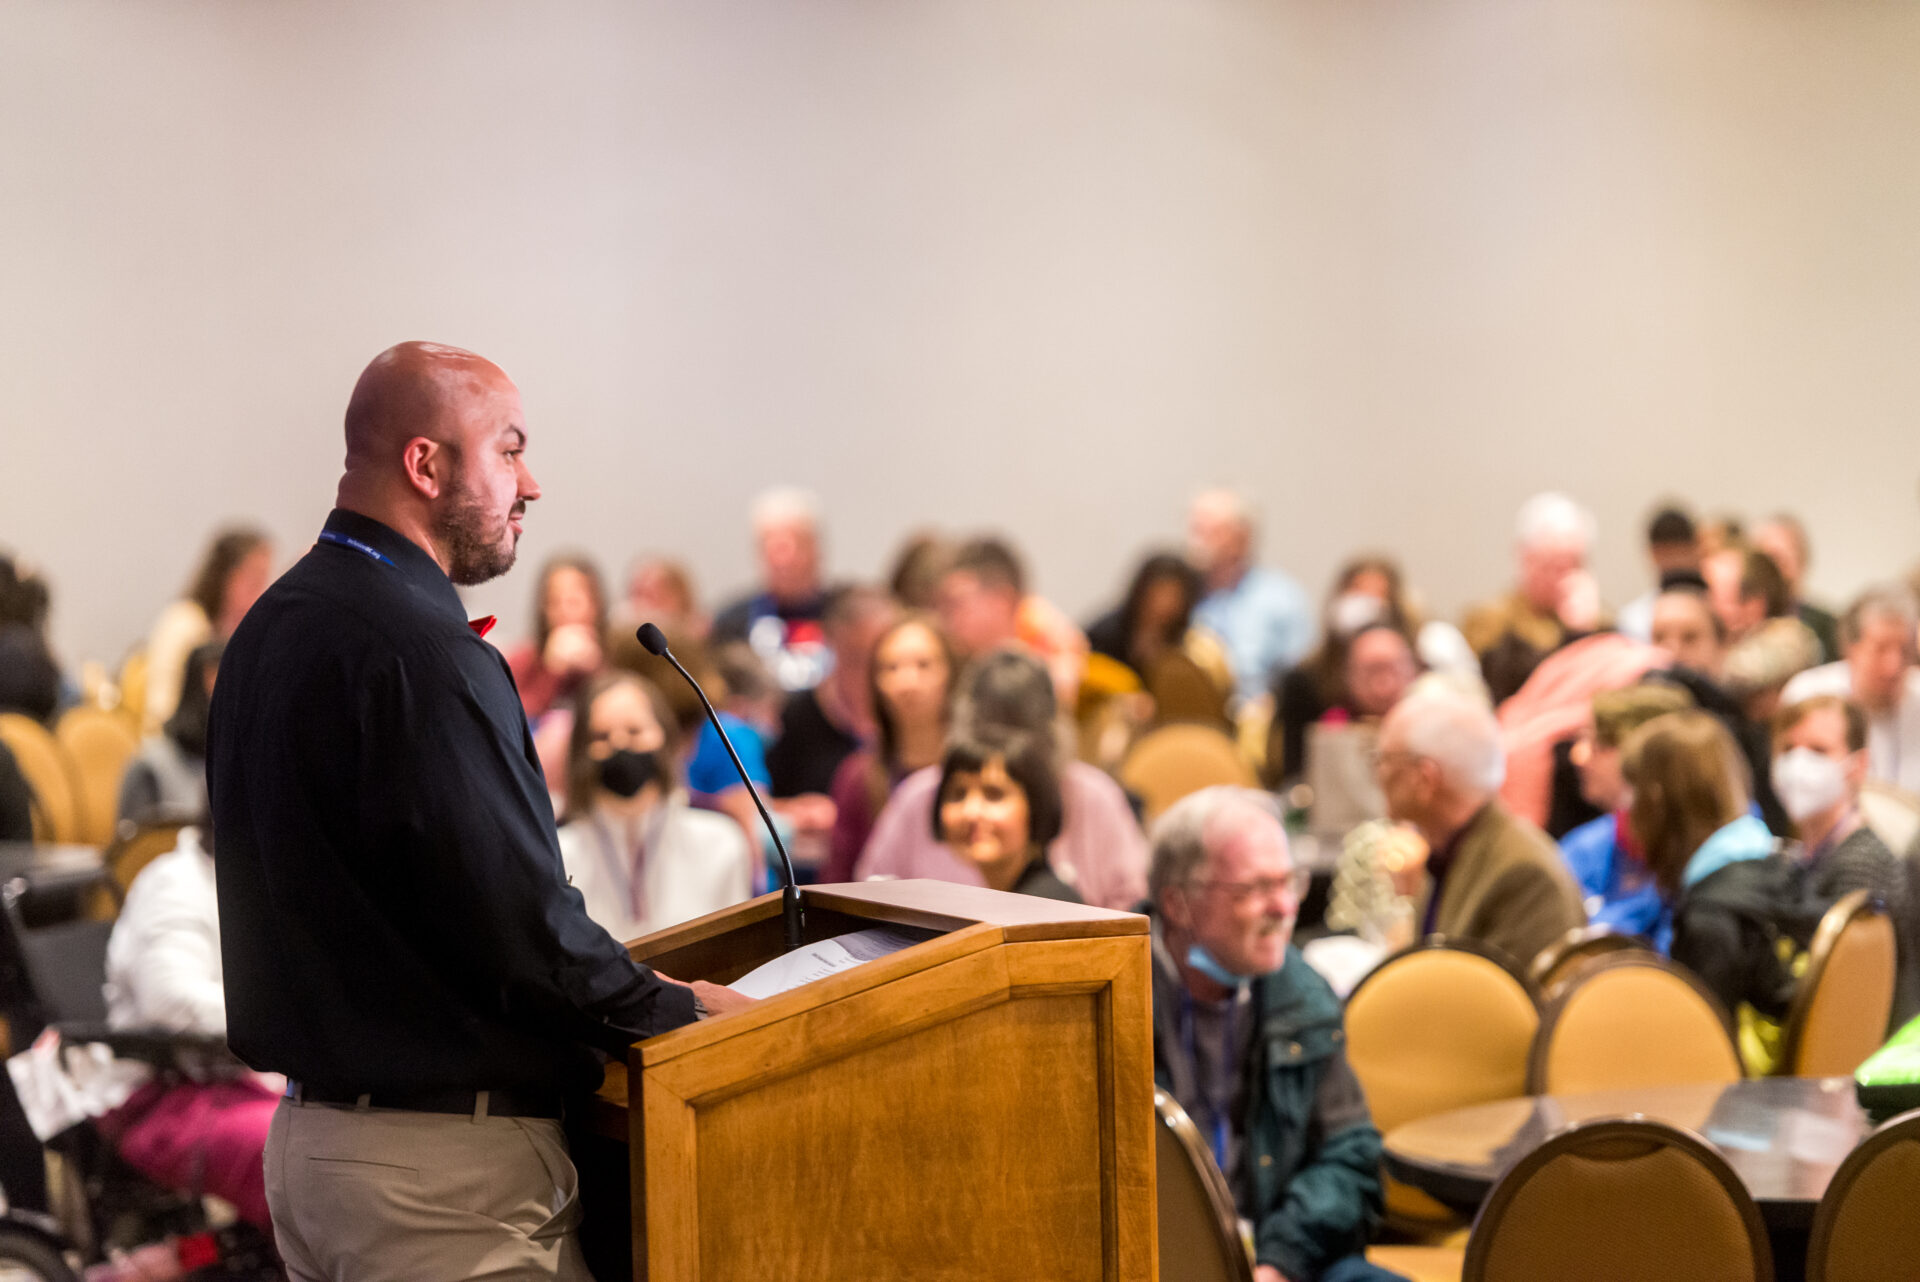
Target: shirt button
[(1266, 1159), (1293, 1048)]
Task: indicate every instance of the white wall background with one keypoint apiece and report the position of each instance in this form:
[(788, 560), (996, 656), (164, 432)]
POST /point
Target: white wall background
[(1039, 264)]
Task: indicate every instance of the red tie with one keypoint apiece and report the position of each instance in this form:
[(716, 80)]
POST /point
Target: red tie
[(482, 626)]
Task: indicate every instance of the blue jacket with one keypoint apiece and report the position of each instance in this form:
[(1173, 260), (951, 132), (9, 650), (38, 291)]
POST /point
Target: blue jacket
[(1628, 899)]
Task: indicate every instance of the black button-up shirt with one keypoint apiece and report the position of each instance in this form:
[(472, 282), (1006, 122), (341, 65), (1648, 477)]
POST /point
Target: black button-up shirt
[(394, 915)]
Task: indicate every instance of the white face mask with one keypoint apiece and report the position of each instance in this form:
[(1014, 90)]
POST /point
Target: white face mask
[(1355, 610), (1808, 783)]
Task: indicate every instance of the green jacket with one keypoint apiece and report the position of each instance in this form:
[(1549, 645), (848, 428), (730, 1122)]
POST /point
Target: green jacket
[(1312, 1154)]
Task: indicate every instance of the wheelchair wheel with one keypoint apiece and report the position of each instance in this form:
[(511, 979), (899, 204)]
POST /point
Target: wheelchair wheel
[(28, 1257)]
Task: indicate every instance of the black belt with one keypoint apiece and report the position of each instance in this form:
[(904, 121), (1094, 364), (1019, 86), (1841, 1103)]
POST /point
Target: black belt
[(502, 1103)]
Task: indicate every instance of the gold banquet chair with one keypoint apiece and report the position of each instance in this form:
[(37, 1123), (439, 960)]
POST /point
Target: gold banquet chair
[(1436, 1027), (56, 805), (99, 744), (1167, 764), (1575, 951), (1844, 1001), (1865, 1229), (1199, 1227), (1630, 1020), (1620, 1200)]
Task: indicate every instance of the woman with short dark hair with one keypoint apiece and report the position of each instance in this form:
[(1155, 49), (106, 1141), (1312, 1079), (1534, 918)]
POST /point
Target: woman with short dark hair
[(998, 808)]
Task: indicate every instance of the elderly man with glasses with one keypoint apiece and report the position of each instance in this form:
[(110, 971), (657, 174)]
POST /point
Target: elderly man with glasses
[(1248, 1038)]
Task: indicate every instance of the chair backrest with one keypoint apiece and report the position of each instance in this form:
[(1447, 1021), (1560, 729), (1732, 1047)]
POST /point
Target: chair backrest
[(1864, 1229), (1434, 1027), (1892, 813), (56, 815), (1631, 1019), (1844, 1000), (1620, 1199), (1167, 764), (1199, 1228), (1574, 951), (99, 744), (137, 846), (133, 691), (1182, 691)]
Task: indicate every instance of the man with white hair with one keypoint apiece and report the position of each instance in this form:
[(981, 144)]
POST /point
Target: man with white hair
[(1490, 877), (1260, 615), (1877, 636), (1555, 600), (1248, 1038), (782, 620)]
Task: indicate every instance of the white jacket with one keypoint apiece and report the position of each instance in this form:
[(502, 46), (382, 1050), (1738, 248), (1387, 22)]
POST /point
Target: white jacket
[(690, 863), (163, 959)]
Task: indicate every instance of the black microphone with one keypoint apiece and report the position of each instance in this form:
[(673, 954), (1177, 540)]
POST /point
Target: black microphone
[(793, 910)]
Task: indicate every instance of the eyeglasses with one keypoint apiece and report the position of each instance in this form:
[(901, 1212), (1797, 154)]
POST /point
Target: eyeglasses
[(1294, 883), (1377, 758)]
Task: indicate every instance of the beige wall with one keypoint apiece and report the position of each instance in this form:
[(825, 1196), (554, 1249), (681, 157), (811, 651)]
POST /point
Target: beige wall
[(1044, 264)]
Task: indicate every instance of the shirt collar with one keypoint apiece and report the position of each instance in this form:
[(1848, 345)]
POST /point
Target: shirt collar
[(407, 558)]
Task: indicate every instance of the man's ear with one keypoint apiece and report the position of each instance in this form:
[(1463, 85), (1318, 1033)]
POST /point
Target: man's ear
[(1174, 907), (426, 465)]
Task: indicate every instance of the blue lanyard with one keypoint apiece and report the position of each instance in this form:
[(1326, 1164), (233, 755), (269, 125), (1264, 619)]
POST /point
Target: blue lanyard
[(1216, 1109), (346, 541)]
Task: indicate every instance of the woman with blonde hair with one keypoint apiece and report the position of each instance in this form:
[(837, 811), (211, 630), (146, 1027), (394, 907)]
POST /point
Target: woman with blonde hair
[(1733, 894)]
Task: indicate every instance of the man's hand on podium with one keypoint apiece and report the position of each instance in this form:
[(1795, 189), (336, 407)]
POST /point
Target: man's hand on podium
[(714, 999)]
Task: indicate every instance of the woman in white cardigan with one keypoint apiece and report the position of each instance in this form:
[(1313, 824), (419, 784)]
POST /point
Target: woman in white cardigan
[(635, 850)]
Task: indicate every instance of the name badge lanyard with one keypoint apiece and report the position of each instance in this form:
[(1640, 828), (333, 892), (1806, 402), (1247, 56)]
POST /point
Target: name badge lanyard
[(348, 541), (1216, 1109)]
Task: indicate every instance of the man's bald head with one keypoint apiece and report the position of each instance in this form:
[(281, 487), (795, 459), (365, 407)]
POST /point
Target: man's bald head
[(435, 439), (410, 390)]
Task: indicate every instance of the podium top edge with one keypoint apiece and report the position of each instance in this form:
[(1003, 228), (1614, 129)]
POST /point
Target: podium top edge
[(1021, 916)]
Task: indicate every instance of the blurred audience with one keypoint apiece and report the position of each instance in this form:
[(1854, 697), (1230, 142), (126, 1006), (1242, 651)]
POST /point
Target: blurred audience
[(236, 569), (1784, 538), (1100, 851), (166, 782), (985, 605), (1673, 550), (999, 810), (1736, 912), (1489, 877), (16, 800), (164, 974), (1603, 854), (917, 567), (1249, 1040), (30, 680), (1877, 638), (569, 635), (1554, 601), (638, 853), (1259, 614), (910, 681), (823, 726), (781, 618), (660, 591), (1819, 763)]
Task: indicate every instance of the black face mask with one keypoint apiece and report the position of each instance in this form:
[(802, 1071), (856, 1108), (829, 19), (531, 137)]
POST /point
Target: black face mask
[(625, 772)]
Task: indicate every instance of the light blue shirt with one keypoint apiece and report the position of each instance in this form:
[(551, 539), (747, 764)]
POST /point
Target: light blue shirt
[(1265, 625)]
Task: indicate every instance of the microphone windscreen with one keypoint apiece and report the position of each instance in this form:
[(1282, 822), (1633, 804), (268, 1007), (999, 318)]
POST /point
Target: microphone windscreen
[(652, 638)]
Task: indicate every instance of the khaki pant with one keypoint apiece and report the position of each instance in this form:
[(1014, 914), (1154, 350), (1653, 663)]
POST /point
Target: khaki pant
[(372, 1195)]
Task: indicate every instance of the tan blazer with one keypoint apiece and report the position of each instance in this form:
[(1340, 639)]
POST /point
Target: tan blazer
[(1507, 887)]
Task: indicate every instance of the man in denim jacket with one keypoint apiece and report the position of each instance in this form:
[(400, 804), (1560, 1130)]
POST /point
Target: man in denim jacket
[(1249, 1039)]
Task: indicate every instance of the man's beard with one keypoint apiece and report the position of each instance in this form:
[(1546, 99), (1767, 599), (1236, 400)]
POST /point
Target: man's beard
[(474, 551)]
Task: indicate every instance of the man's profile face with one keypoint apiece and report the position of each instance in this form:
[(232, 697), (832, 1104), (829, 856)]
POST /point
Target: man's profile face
[(977, 615), (478, 515), (1545, 565)]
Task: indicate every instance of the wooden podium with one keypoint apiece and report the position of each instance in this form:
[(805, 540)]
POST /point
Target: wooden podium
[(977, 1106)]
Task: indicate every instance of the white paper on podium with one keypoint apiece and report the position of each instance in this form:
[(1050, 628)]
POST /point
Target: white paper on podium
[(827, 957)]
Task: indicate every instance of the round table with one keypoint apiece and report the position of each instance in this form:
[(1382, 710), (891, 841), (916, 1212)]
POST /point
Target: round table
[(1784, 1136)]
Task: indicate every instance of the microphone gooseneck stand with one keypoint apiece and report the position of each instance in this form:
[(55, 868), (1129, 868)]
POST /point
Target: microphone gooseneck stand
[(793, 912)]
